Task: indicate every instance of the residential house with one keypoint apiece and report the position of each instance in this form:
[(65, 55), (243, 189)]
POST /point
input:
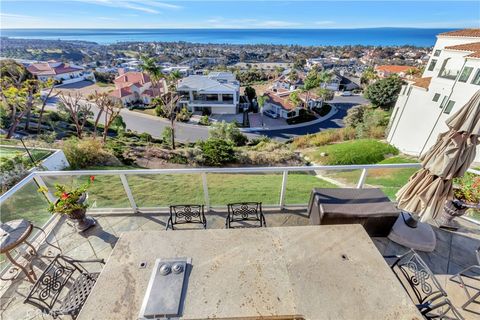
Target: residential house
[(183, 70), (136, 87), (217, 93), (450, 80), (384, 71), (62, 73), (279, 102)]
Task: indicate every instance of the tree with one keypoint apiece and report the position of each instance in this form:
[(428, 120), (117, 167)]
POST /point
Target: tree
[(368, 76), (293, 75), (48, 86), (169, 102), (250, 93), (149, 66), (79, 111), (261, 102), (384, 93), (119, 124), (294, 98), (19, 92), (109, 107), (325, 94)]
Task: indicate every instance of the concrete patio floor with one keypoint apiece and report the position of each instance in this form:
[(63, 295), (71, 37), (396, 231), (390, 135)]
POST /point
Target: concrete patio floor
[(454, 251)]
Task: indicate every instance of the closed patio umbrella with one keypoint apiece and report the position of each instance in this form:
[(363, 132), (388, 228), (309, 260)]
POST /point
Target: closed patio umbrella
[(450, 157)]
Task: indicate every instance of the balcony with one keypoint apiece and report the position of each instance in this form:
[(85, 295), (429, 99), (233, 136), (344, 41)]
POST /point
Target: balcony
[(137, 200)]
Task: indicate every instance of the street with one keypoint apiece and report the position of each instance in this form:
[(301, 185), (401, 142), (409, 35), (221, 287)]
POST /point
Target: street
[(185, 132)]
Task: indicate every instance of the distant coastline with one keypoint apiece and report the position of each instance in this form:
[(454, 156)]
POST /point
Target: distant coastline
[(303, 37)]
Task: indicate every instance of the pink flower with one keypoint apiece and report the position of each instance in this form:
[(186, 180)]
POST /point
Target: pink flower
[(65, 196), (92, 178)]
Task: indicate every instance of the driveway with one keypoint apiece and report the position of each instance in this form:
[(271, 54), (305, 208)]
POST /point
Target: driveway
[(190, 133)]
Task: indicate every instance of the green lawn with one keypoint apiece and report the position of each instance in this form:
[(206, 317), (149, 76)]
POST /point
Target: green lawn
[(389, 180), (361, 151), (36, 154)]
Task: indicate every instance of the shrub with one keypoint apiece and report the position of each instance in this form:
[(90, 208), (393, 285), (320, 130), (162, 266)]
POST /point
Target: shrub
[(324, 110), (146, 137), (325, 137), (167, 136), (184, 115), (363, 151), (228, 131), (217, 152), (354, 116), (204, 121), (87, 152)]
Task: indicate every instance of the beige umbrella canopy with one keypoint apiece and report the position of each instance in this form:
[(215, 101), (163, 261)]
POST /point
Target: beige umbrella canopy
[(450, 157)]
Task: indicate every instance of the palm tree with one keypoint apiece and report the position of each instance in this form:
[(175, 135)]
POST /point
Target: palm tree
[(368, 76), (261, 102), (149, 66)]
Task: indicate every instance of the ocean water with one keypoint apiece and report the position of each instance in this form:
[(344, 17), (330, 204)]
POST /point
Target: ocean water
[(305, 37)]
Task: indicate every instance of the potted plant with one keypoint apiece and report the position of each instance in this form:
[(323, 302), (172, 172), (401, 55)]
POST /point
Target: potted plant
[(72, 202), (466, 195)]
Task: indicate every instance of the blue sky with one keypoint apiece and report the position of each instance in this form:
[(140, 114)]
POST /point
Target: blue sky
[(238, 14)]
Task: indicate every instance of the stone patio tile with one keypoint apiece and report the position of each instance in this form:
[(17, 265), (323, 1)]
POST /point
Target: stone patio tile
[(444, 241), (463, 250), (102, 238), (131, 223), (381, 244), (436, 263), (82, 251), (393, 248)]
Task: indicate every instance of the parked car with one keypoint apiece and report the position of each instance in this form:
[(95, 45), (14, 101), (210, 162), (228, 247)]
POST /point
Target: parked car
[(346, 93), (271, 114)]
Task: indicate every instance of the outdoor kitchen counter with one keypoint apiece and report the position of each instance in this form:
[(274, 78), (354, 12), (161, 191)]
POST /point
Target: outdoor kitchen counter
[(318, 272)]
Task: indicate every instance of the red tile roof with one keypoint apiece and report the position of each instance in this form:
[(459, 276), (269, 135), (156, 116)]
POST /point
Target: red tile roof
[(423, 82), (393, 68), (132, 77), (283, 102), (475, 46), (462, 33), (121, 92), (48, 68)]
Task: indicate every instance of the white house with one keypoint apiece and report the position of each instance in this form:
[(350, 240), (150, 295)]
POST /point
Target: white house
[(451, 78), (62, 73), (216, 93)]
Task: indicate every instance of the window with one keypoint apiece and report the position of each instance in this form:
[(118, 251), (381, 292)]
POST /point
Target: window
[(436, 96), (443, 102), (450, 69), (409, 90), (476, 79), (432, 65), (437, 53), (465, 74), (449, 107)]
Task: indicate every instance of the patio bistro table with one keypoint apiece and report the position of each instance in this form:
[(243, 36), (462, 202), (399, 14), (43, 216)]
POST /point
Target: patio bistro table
[(13, 234), (315, 272)]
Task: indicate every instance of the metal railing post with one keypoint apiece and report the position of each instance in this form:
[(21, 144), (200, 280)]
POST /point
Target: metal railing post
[(205, 191), (362, 179), (50, 197), (126, 187), (283, 190)]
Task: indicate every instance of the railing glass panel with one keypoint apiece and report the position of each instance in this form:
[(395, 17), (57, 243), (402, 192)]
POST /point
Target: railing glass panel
[(300, 184), (163, 190), (226, 188), (105, 192)]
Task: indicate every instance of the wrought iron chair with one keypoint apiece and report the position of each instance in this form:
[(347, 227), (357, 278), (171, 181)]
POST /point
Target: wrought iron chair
[(187, 213), (423, 287), (48, 293), (245, 211), (471, 273)]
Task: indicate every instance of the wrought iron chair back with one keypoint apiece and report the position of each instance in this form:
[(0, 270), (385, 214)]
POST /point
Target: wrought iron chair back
[(245, 211), (444, 310), (186, 213), (418, 280), (56, 277)]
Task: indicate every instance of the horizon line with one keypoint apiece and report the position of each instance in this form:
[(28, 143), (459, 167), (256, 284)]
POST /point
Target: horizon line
[(209, 28)]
